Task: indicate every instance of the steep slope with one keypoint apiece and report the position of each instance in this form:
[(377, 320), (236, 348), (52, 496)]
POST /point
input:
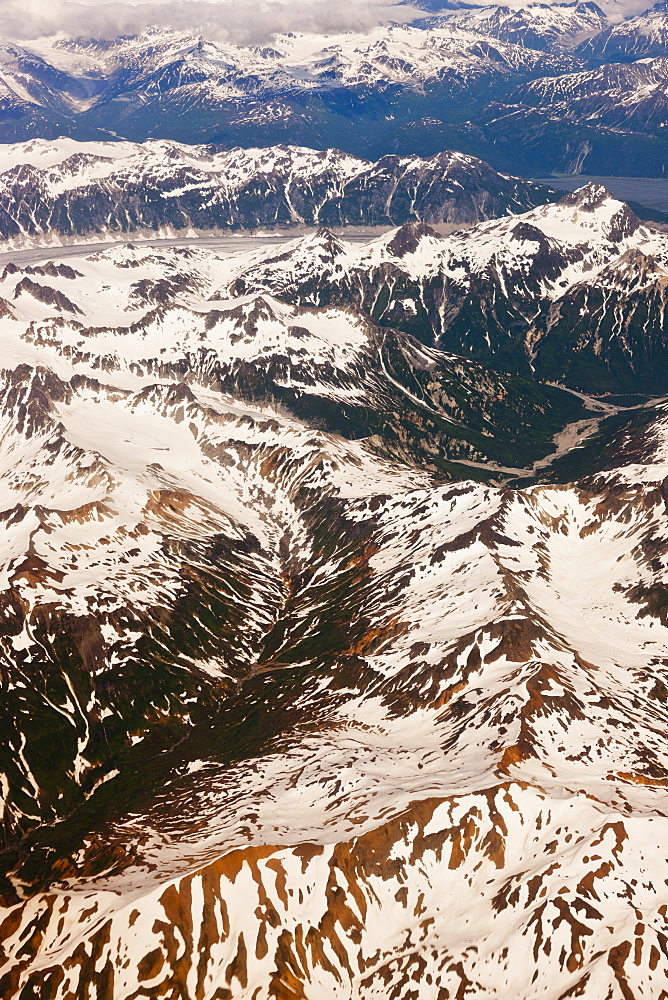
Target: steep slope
[(342, 728), (35, 79), (162, 61), (70, 189), (20, 117), (40, 99), (640, 37), (572, 291), (625, 97), (537, 141)]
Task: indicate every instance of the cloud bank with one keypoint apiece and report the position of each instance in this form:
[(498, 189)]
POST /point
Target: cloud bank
[(242, 21)]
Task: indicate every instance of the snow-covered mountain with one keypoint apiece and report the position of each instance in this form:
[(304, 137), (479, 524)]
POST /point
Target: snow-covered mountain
[(640, 37), (551, 27), (171, 72), (66, 189), (136, 346), (627, 96), (483, 81), (292, 705), (572, 291), (392, 89), (162, 60)]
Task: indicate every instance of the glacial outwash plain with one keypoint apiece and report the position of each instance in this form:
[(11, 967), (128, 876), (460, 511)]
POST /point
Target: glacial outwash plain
[(333, 502)]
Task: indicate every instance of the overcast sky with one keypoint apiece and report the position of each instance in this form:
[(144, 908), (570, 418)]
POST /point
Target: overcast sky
[(245, 21), (235, 20)]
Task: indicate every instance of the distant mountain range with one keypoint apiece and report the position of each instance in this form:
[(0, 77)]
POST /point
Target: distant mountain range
[(539, 89), (644, 36), (547, 27)]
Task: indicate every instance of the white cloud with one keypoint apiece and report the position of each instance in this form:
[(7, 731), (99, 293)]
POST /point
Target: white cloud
[(244, 21)]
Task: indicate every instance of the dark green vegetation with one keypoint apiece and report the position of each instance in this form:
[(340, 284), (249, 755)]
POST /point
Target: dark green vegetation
[(622, 439), (416, 404), (433, 411), (326, 614)]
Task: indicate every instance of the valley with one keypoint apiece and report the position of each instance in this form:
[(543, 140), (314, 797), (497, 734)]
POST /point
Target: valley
[(226, 245)]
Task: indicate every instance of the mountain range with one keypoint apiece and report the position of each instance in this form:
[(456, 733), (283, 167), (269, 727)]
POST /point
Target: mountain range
[(333, 660), (69, 190), (571, 292), (534, 90)]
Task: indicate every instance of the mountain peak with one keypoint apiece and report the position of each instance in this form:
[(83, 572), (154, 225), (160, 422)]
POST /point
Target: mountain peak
[(407, 238), (587, 198), (326, 240), (618, 220), (326, 235)]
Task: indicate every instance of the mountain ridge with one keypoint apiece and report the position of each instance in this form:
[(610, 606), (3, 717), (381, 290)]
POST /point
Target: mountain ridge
[(505, 292), (398, 89), (88, 190)]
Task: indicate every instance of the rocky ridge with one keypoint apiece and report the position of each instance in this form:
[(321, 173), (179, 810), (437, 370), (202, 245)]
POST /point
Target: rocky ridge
[(572, 292), (641, 37), (73, 190), (542, 26)]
